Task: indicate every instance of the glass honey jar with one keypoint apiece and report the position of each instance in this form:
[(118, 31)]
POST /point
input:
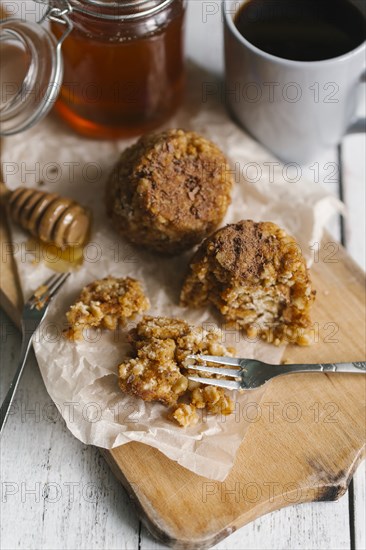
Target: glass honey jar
[(113, 68)]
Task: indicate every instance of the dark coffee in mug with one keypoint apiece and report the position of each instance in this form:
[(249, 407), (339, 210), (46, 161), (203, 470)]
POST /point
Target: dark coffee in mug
[(302, 30)]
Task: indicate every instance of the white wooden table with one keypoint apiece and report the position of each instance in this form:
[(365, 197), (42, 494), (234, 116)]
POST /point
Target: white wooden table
[(57, 493)]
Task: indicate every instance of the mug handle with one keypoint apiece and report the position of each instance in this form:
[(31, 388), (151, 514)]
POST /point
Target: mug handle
[(358, 126)]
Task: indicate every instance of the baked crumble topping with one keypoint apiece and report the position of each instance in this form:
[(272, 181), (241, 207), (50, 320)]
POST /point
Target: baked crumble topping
[(106, 303), (158, 369), (169, 190), (256, 276)]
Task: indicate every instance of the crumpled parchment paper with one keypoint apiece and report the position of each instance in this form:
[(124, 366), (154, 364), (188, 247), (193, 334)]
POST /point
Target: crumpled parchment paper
[(81, 377)]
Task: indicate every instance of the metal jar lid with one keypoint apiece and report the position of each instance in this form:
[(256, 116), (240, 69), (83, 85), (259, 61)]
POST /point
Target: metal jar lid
[(119, 9)]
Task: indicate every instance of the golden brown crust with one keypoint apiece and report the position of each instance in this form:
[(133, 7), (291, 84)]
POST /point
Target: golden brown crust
[(185, 414), (105, 303), (169, 190), (255, 274), (158, 372)]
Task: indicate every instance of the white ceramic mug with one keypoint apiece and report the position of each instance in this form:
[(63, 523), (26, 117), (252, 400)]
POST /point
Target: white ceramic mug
[(294, 108)]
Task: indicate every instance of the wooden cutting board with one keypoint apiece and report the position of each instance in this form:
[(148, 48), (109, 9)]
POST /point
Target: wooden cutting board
[(303, 444)]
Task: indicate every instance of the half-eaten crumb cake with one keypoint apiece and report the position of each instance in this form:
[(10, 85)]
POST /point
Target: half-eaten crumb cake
[(256, 276), (158, 369)]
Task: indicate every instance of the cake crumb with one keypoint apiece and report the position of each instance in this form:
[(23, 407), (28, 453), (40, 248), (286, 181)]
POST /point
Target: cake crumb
[(185, 415), (105, 303)]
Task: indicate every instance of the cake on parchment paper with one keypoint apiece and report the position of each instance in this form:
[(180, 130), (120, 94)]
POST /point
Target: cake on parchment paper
[(169, 190)]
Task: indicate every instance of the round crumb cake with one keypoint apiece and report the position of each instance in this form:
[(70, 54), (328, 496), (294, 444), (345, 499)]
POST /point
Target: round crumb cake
[(169, 190), (256, 276)]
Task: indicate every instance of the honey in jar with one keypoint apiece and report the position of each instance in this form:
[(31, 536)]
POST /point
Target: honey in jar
[(123, 65)]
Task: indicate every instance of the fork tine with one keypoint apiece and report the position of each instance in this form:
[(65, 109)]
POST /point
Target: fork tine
[(233, 361), (51, 280), (54, 287), (228, 384), (50, 286), (34, 311), (216, 370)]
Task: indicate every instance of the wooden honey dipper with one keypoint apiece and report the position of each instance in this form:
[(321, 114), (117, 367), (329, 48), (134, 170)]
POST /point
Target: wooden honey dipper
[(47, 216)]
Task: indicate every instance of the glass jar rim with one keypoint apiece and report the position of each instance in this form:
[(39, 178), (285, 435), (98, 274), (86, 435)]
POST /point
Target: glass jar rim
[(118, 9)]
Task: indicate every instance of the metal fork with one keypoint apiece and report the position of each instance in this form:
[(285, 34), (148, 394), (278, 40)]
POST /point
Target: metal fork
[(249, 374), (33, 313)]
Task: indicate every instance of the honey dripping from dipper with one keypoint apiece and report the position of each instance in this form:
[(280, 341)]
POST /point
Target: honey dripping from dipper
[(59, 226)]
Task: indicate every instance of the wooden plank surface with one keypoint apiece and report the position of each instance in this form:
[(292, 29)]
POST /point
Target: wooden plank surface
[(108, 519), (304, 450), (353, 190), (49, 534), (10, 285), (305, 454)]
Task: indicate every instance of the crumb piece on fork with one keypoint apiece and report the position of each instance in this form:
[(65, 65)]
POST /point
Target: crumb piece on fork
[(158, 371)]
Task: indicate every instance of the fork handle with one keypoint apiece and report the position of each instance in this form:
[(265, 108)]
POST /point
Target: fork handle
[(6, 404), (358, 367)]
